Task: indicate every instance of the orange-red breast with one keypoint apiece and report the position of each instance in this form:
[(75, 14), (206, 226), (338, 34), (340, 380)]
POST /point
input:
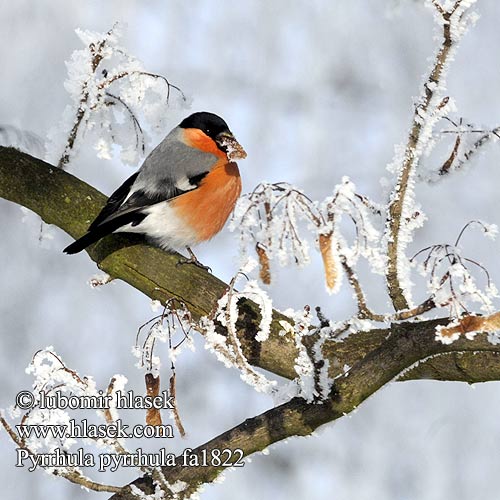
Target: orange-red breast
[(184, 191)]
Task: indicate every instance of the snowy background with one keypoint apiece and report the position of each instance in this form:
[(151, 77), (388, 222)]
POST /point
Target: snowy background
[(313, 90)]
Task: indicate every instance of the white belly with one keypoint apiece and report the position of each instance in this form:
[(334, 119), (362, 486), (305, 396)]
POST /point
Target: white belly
[(164, 227)]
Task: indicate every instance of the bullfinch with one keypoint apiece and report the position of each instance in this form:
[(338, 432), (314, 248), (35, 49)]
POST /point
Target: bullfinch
[(183, 193)]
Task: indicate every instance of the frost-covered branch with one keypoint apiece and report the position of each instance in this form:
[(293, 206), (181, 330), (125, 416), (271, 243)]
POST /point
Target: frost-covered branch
[(273, 217), (463, 153), (431, 107), (103, 76), (172, 326), (53, 378), (226, 345), (456, 281)]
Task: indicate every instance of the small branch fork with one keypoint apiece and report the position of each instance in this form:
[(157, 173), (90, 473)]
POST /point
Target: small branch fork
[(364, 312), (453, 287), (411, 158), (456, 161), (174, 317)]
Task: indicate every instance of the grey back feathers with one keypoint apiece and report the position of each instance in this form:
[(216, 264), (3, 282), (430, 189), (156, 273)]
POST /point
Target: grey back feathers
[(170, 165), (170, 170)]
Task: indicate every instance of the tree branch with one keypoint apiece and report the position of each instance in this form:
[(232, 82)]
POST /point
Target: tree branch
[(395, 219), (70, 204), (452, 164)]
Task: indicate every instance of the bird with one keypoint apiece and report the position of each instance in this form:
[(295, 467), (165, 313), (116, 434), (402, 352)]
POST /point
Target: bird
[(182, 194)]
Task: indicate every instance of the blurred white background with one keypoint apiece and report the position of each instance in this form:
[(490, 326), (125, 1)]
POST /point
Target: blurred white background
[(313, 90)]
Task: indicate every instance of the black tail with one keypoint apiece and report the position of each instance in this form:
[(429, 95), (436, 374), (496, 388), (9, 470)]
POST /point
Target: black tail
[(103, 229), (96, 233), (83, 242)]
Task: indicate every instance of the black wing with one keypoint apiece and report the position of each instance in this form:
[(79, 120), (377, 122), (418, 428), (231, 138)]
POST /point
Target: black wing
[(114, 201), (118, 213), (116, 205)]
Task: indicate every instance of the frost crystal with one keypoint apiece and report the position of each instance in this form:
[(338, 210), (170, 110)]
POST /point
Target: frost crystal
[(454, 280), (57, 392)]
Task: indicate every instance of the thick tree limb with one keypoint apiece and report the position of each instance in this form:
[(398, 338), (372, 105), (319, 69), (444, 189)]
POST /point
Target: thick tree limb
[(71, 204)]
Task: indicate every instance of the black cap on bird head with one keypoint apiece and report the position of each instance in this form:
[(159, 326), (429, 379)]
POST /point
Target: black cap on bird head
[(209, 123), (217, 129)]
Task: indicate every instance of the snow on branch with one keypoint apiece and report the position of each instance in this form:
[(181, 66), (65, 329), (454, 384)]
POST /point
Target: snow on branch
[(110, 89), (313, 382), (470, 325), (404, 215), (172, 326), (461, 141), (276, 219), (469, 140), (228, 348), (451, 276), (49, 432)]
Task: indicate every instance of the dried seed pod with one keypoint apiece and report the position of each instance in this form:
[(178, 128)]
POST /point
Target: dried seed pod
[(107, 413), (264, 271), (329, 261), (470, 325), (153, 416)]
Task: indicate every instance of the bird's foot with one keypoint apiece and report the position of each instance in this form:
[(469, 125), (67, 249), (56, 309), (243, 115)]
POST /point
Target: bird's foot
[(193, 260), (100, 280)]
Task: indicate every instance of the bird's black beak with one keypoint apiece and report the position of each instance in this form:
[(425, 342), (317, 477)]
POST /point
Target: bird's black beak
[(227, 143)]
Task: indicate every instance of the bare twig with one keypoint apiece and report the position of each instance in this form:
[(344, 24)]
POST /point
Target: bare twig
[(445, 168), (476, 147), (363, 310), (175, 411)]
